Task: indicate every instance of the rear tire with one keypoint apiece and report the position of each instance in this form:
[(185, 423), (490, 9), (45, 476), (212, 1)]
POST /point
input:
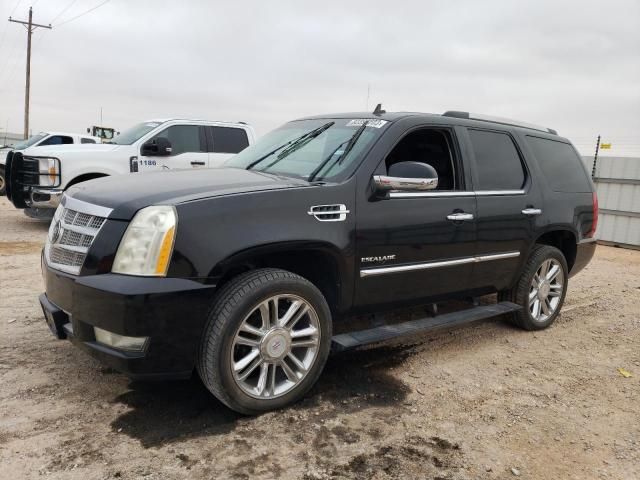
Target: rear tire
[(266, 341), (540, 290), (3, 182)]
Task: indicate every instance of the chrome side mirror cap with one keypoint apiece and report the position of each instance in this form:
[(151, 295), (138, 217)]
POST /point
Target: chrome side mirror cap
[(407, 177), (385, 183)]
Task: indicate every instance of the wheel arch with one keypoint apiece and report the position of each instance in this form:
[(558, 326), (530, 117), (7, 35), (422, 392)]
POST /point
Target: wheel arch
[(564, 240), (319, 262), (85, 177)]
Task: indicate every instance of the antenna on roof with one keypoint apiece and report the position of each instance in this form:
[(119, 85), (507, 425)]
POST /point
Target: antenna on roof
[(378, 110)]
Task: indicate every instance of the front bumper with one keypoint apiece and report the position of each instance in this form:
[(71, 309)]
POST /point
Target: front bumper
[(44, 198), (170, 311)]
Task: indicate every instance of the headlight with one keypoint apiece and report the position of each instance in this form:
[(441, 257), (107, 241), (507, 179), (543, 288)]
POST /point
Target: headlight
[(50, 166), (147, 245)]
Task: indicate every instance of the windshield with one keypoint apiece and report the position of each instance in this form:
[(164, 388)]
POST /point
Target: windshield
[(310, 149), (30, 141), (134, 133)]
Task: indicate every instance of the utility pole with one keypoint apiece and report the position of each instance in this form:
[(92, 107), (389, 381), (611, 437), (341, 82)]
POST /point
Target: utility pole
[(595, 158), (30, 26)]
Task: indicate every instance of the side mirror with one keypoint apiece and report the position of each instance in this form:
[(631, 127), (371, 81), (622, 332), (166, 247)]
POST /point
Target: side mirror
[(407, 177), (156, 147)]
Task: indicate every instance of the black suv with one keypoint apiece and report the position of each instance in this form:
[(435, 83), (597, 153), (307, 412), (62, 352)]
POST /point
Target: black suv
[(252, 273)]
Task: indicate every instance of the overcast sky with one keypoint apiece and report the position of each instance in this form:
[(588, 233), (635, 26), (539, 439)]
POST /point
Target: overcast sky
[(569, 65)]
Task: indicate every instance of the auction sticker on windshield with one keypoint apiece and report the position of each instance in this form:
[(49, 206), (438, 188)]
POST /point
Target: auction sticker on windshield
[(374, 123)]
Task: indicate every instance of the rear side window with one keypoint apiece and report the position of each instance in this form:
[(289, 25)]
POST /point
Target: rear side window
[(229, 140), (87, 140), (497, 160), (56, 140), (562, 168)]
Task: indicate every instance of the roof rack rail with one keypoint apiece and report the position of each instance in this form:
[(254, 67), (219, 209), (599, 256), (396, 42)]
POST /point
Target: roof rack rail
[(500, 120)]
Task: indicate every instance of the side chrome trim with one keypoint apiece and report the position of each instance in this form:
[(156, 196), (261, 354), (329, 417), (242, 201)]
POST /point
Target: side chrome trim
[(85, 207), (370, 272), (480, 193), (491, 193)]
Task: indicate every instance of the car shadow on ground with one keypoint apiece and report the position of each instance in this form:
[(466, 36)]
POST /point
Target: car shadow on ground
[(164, 412)]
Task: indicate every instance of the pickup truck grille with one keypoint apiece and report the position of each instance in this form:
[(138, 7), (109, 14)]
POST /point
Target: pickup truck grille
[(70, 236)]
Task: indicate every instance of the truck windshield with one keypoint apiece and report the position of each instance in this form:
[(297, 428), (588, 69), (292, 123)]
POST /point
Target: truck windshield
[(311, 149), (132, 134), (32, 140)]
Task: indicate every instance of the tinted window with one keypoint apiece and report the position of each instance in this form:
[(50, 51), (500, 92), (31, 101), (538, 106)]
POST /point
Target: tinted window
[(562, 168), (229, 140), (183, 138), (497, 160), (87, 140), (431, 147), (57, 140)]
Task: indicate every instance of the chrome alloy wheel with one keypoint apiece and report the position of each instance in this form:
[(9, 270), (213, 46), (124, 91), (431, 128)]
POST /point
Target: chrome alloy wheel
[(275, 346), (546, 290)]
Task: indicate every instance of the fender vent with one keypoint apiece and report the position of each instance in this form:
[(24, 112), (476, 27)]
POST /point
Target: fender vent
[(329, 213)]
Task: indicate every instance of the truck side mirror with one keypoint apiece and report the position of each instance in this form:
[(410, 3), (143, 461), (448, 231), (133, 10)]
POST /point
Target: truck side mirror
[(156, 147), (407, 177)]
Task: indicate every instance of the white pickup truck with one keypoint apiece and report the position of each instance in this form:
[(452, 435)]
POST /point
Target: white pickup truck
[(36, 182), (39, 140)]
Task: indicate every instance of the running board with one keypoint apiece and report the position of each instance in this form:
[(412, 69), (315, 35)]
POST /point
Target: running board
[(347, 341)]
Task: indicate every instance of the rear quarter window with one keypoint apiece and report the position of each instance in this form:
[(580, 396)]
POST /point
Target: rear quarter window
[(560, 164), (229, 139)]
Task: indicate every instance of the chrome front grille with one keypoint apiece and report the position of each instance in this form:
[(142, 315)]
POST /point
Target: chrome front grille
[(73, 229)]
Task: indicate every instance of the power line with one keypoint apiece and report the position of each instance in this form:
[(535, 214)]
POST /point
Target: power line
[(4, 33), (82, 14), (63, 11)]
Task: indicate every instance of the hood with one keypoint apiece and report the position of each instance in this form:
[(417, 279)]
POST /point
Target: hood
[(126, 194), (57, 150)]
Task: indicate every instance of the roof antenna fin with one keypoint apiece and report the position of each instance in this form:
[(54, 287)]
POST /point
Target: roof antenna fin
[(378, 110)]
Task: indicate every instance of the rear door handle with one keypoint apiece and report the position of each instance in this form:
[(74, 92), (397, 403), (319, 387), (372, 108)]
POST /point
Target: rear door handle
[(460, 217), (531, 211), (197, 163)]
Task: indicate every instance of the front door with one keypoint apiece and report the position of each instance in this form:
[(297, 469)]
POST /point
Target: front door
[(188, 148), (417, 245)]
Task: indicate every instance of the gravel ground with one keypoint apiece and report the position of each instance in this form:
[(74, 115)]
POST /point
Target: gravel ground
[(484, 401)]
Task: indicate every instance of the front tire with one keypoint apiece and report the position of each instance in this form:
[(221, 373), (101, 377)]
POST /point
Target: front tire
[(540, 290), (266, 341)]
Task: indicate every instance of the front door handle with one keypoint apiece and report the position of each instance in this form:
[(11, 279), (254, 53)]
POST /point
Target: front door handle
[(460, 217), (531, 211), (197, 163)]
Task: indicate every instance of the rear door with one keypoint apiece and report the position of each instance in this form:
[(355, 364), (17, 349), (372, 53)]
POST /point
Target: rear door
[(509, 205), (225, 142), (188, 147), (417, 245)]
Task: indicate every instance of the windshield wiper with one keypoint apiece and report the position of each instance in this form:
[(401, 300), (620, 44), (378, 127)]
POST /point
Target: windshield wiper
[(350, 144), (292, 146)]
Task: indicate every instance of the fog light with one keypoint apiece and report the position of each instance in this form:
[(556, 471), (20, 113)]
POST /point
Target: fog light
[(121, 342)]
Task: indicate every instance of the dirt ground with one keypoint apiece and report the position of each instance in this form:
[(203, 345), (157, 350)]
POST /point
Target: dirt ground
[(482, 402)]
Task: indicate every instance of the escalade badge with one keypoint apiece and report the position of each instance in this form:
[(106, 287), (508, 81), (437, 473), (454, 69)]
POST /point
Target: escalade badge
[(382, 258)]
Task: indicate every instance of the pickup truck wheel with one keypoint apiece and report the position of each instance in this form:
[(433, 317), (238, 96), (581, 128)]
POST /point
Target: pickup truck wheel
[(540, 290), (266, 341), (3, 183)]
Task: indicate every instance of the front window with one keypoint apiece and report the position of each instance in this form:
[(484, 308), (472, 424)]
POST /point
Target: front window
[(30, 141), (134, 133), (328, 153)]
